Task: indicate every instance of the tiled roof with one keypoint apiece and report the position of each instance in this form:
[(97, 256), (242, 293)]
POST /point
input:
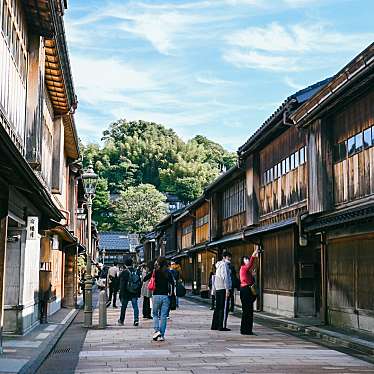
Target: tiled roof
[(114, 241)]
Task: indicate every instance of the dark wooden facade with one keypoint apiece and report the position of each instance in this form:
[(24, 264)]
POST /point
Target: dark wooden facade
[(303, 192), (339, 123)]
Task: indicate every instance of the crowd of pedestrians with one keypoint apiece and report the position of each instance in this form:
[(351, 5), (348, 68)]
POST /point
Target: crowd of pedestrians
[(160, 285)]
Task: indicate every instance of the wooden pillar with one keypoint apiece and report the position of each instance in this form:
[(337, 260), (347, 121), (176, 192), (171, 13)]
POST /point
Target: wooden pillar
[(253, 188), (58, 155), (323, 313), (215, 216), (320, 175), (3, 241), (35, 96)]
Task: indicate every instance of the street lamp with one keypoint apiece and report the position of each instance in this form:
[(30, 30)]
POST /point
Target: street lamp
[(89, 179)]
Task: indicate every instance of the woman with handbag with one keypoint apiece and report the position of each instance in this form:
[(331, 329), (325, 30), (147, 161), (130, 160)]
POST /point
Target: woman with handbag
[(247, 293), (161, 283)]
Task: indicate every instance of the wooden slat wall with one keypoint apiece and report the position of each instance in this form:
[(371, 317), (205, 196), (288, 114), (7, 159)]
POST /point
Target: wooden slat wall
[(281, 147), (289, 188), (233, 224), (186, 239), (354, 176), (12, 74), (202, 232), (279, 263)]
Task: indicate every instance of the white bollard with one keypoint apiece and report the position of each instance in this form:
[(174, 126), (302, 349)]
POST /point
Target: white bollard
[(102, 310)]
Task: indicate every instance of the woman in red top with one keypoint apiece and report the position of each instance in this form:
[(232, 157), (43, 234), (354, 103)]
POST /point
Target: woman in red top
[(246, 296)]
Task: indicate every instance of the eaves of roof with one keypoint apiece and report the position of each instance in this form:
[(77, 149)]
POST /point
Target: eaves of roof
[(232, 173), (353, 71), (288, 105)]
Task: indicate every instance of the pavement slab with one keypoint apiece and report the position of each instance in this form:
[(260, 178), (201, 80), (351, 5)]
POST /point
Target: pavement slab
[(191, 347)]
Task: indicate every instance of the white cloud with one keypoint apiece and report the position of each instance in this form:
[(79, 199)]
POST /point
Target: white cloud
[(100, 80), (255, 60), (291, 83), (209, 79), (285, 48)]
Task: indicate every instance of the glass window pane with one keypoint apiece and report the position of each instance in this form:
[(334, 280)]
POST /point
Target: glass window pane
[(359, 142), (275, 172), (292, 158), (305, 154), (301, 156), (287, 164), (351, 145), (367, 138), (372, 135), (264, 178), (296, 159), (271, 175), (283, 167), (279, 170)]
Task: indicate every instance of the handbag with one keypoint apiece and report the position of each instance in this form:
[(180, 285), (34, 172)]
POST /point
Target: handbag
[(180, 290), (253, 289), (173, 302), (152, 282)]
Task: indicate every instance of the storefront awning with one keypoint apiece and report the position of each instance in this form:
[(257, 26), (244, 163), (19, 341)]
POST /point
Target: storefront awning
[(268, 228), (356, 214), (227, 239)]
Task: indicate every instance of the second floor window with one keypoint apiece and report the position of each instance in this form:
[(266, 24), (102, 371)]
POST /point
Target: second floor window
[(234, 199)]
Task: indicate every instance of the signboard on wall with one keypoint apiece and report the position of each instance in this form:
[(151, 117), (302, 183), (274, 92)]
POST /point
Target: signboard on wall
[(32, 228)]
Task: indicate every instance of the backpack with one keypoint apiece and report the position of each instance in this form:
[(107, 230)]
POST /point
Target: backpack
[(134, 283)]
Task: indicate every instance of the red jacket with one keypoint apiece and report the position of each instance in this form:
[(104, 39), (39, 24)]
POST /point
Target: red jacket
[(246, 278)]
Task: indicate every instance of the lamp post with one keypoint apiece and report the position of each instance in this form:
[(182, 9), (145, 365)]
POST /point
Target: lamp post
[(89, 179), (103, 256)]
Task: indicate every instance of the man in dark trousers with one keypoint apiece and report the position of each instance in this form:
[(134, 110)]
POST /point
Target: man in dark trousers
[(129, 290), (223, 285)]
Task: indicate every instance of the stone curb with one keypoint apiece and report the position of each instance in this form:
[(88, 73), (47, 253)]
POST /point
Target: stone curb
[(34, 364), (357, 344)]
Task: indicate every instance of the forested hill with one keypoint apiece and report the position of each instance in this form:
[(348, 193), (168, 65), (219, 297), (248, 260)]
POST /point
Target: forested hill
[(138, 160)]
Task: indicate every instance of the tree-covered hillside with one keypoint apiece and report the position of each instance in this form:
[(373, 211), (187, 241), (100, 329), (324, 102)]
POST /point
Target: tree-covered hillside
[(139, 153)]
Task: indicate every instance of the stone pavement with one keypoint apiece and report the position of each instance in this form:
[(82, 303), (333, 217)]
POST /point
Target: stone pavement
[(191, 347), (24, 354)]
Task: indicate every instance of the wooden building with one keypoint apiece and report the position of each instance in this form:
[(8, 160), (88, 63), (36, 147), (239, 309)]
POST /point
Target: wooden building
[(303, 193), (338, 123), (38, 175), (275, 159)]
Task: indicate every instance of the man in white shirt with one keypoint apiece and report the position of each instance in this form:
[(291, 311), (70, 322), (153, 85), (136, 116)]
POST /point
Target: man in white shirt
[(113, 281), (222, 285)]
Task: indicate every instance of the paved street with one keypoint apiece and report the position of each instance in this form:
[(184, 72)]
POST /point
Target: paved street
[(191, 347)]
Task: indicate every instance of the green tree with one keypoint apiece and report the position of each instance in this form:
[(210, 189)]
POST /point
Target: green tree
[(102, 210), (140, 208)]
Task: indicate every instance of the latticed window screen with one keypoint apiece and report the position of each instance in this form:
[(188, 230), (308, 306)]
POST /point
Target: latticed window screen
[(234, 199)]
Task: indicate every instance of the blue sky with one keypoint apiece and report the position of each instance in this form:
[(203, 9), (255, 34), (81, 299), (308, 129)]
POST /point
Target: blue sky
[(213, 67)]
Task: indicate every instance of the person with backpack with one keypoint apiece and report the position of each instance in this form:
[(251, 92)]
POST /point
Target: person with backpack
[(130, 287), (247, 292), (162, 285)]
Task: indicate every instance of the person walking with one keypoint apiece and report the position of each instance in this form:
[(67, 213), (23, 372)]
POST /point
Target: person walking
[(246, 295), (130, 287), (175, 270), (113, 280), (223, 285), (146, 293), (212, 290), (164, 287)]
